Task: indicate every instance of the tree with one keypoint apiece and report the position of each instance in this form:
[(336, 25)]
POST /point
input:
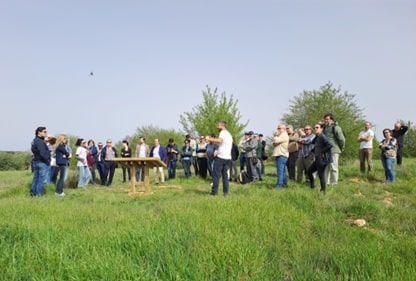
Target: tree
[(310, 107), (14, 160), (203, 118), (409, 149), (151, 132)]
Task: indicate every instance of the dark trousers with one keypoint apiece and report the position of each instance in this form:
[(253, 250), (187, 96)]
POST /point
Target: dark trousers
[(186, 164), (110, 168), (251, 169), (320, 167), (128, 171), (220, 169), (54, 173), (291, 164), (203, 167), (399, 155), (101, 171), (242, 160), (62, 169), (195, 164), (171, 168)]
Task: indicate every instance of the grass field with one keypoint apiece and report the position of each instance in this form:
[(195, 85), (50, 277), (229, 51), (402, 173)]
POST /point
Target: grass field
[(181, 233)]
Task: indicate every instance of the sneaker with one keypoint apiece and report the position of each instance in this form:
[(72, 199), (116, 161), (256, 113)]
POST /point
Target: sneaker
[(60, 194)]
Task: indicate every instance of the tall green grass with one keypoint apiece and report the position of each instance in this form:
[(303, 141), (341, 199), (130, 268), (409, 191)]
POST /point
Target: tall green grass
[(182, 233)]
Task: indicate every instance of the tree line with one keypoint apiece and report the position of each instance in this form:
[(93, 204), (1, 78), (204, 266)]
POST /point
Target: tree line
[(308, 107)]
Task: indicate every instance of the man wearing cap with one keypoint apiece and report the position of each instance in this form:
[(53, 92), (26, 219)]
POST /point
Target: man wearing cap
[(250, 146)]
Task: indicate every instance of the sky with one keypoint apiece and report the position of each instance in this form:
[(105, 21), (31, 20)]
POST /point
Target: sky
[(152, 59)]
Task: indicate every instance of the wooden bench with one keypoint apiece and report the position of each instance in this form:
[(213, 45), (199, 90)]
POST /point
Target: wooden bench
[(133, 164)]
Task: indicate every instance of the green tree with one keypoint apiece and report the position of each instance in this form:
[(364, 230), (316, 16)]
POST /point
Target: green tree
[(14, 160), (203, 118), (309, 107), (151, 133), (409, 149)]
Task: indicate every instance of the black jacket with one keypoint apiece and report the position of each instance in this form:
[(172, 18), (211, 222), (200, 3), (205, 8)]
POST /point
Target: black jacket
[(322, 148), (41, 151), (234, 152), (104, 152)]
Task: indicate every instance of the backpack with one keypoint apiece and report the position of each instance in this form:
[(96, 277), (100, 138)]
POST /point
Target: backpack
[(335, 136), (244, 178)]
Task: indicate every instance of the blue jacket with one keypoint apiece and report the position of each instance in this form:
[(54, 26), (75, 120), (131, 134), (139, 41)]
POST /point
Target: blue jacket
[(162, 153), (41, 151), (210, 150), (61, 155), (94, 153)]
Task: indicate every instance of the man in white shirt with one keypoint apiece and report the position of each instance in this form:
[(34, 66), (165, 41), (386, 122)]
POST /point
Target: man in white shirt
[(365, 138), (222, 162), (142, 150), (158, 151)]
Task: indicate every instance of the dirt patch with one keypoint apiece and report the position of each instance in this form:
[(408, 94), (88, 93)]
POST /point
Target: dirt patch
[(356, 180), (388, 202), (359, 194)]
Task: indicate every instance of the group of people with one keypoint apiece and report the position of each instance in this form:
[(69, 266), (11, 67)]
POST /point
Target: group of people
[(302, 153), (391, 148), (51, 156), (316, 150)]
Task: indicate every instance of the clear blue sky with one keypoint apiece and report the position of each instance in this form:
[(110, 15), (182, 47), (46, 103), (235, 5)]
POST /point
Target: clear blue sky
[(152, 59)]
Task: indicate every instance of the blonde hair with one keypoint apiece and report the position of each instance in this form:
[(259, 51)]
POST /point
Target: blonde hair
[(60, 140)]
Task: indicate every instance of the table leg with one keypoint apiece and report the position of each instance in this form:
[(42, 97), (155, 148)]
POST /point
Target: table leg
[(133, 169), (146, 179)]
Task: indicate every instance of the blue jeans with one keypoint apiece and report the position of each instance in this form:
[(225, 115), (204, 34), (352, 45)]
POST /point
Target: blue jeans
[(83, 176), (221, 167), (172, 169), (66, 173), (281, 171), (210, 166), (258, 169), (140, 173), (186, 163), (62, 175), (40, 176), (388, 168)]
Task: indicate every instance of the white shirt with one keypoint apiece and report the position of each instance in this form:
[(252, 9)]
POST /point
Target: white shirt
[(142, 152), (224, 148), (81, 153), (156, 152), (365, 134)]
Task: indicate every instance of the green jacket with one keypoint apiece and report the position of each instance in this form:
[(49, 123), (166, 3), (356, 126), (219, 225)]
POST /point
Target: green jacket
[(259, 150), (336, 136)]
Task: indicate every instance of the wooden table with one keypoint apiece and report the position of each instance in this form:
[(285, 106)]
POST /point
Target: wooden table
[(133, 164)]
